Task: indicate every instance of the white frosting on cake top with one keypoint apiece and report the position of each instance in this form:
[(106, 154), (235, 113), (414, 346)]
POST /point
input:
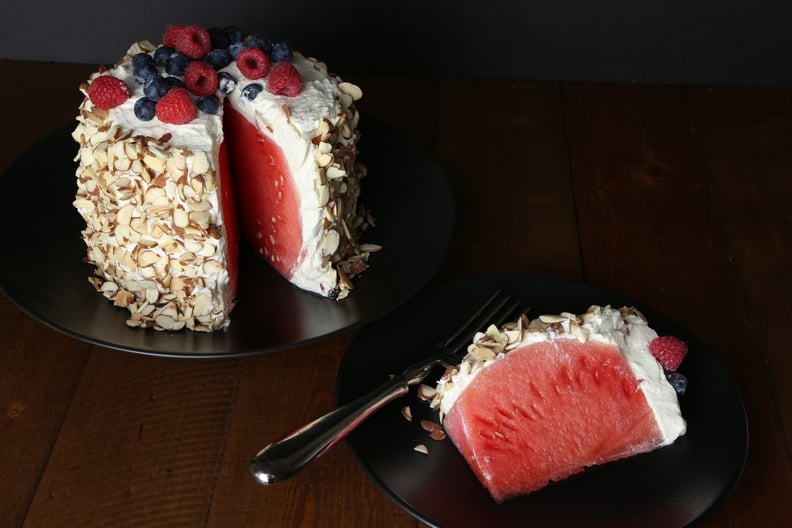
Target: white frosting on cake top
[(625, 328)]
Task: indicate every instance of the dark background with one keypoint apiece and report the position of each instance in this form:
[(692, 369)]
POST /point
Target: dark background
[(671, 41)]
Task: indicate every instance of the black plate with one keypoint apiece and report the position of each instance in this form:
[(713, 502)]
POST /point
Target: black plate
[(45, 276), (670, 487)]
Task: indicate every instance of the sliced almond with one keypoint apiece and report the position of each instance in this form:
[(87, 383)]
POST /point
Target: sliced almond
[(425, 392), (421, 448), (351, 89)]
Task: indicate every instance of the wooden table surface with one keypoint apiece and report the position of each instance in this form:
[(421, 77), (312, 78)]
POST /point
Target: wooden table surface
[(678, 196)]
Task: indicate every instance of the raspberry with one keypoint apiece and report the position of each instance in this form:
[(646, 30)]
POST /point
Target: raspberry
[(108, 92), (284, 79), (172, 35), (669, 351), (253, 63), (200, 78), (176, 107), (194, 42)]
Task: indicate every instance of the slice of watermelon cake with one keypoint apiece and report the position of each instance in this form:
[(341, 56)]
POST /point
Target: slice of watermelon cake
[(537, 401)]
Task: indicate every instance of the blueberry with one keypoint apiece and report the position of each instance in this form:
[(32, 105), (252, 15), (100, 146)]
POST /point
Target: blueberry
[(145, 109), (155, 87), (234, 34), (175, 82), (261, 42), (235, 48), (162, 54), (678, 381), (219, 38), (281, 52), (176, 64), (140, 59), (218, 58), (226, 82), (251, 91), (143, 67), (208, 103)]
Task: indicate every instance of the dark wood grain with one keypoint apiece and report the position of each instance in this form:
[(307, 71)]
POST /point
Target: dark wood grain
[(39, 372), (746, 143), (654, 227), (677, 196), (503, 147)]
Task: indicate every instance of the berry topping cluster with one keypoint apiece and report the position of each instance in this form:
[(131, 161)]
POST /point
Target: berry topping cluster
[(669, 351), (183, 75)]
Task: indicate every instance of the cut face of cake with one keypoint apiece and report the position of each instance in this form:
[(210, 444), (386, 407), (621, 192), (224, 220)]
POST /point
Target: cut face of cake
[(537, 401), (211, 139)]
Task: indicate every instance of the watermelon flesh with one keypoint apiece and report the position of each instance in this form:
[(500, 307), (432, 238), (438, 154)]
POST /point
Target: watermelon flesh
[(548, 410), (267, 199)]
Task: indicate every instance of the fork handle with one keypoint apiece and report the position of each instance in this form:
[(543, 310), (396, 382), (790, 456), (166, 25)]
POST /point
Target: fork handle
[(285, 457)]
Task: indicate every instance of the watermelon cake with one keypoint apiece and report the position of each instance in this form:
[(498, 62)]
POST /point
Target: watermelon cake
[(537, 401), (210, 141)]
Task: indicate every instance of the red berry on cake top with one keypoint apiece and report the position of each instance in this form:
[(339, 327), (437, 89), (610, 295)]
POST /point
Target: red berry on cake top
[(201, 78), (284, 79), (253, 63), (176, 107), (108, 92), (669, 351), (172, 35), (194, 42)]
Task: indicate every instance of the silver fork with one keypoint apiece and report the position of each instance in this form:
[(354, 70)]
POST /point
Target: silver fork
[(288, 455)]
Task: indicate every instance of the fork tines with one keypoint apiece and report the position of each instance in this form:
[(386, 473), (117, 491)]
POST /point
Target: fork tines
[(498, 309)]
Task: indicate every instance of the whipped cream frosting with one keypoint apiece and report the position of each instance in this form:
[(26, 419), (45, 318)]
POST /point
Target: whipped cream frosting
[(626, 328)]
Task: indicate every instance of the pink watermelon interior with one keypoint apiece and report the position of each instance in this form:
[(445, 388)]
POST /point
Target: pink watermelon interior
[(547, 411), (267, 200)]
